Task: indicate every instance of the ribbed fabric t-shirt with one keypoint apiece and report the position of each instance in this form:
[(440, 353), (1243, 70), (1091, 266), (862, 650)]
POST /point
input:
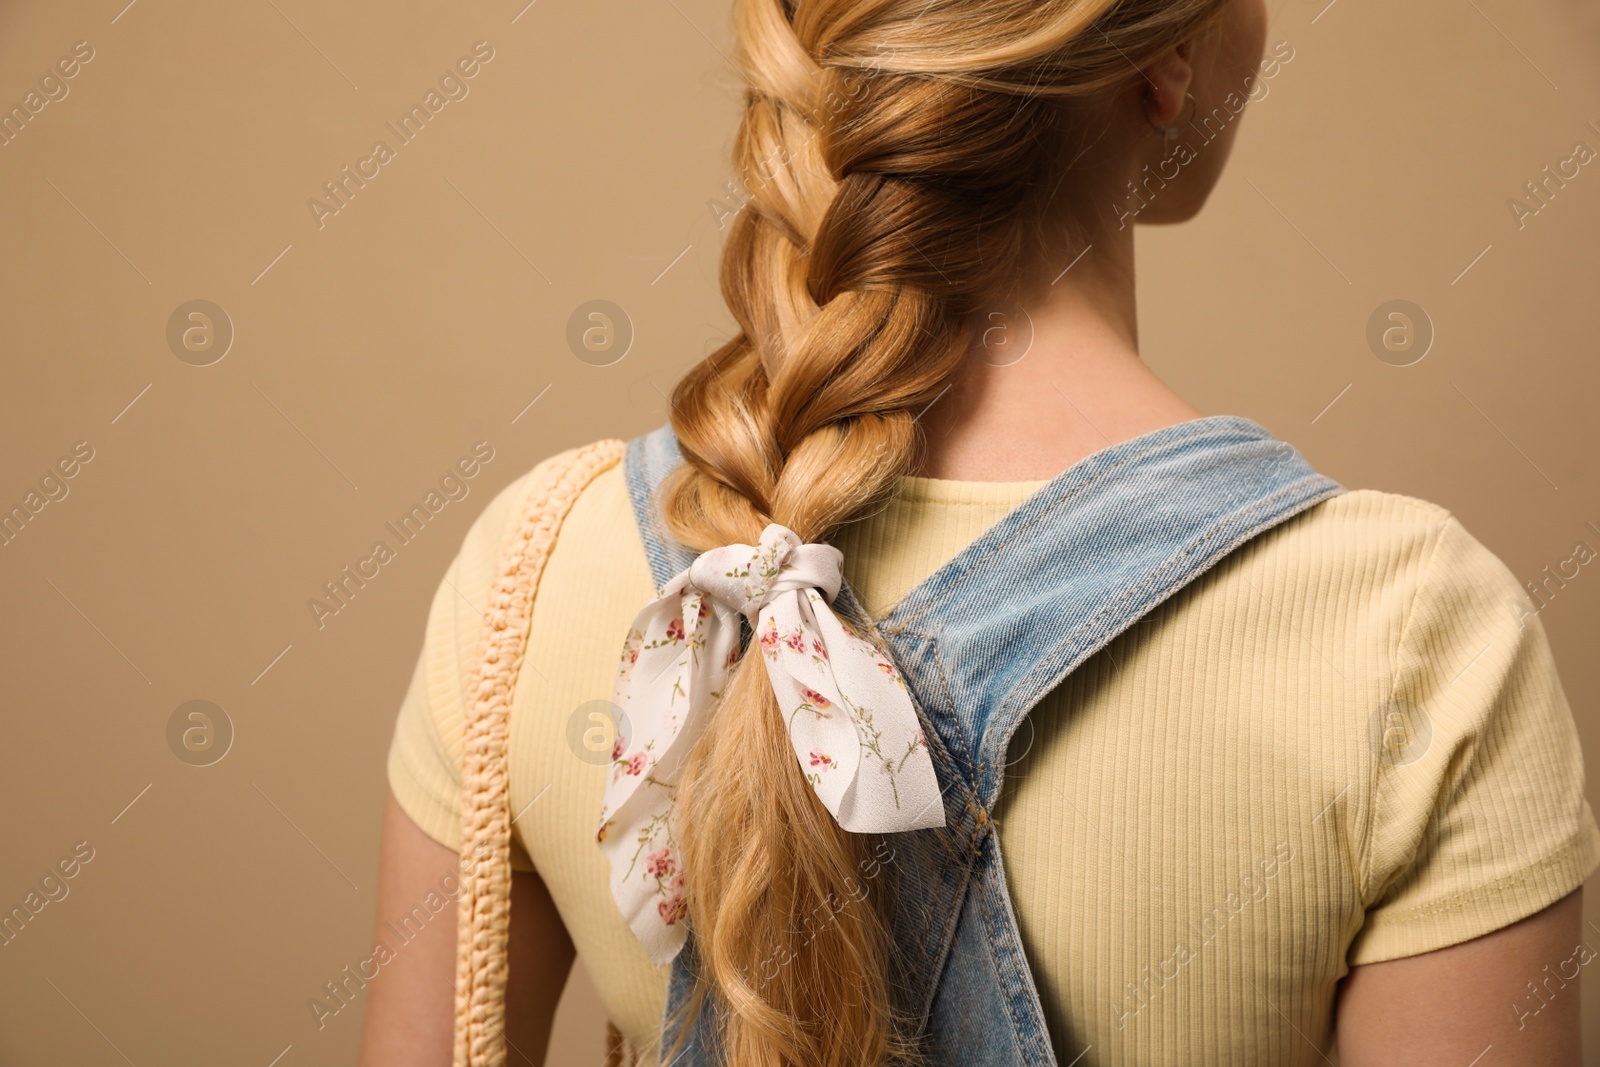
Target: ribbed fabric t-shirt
[(1344, 743)]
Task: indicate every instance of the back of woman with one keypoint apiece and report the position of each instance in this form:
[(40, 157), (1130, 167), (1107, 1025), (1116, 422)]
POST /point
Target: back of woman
[(939, 687)]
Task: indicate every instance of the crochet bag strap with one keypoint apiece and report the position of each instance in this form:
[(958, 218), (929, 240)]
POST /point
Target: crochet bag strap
[(484, 908)]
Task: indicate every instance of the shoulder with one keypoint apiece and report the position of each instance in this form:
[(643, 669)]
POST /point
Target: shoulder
[(1439, 597), (1367, 522), (1469, 812), (1403, 546), (1388, 586), (578, 491), (574, 497), (561, 490), (1477, 816)]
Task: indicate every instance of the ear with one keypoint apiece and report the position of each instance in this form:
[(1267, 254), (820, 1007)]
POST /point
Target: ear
[(1165, 84)]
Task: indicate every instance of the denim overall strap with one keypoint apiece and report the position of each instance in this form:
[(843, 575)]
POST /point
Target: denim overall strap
[(979, 643), (648, 460), (988, 635)]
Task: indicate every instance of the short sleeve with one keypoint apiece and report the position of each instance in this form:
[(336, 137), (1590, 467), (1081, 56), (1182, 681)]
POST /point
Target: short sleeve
[(1479, 817), (424, 765)]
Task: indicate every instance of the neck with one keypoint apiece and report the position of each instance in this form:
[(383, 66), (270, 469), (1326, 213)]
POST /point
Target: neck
[(1054, 379)]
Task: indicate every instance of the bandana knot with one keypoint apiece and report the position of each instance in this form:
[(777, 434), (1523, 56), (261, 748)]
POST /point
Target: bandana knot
[(848, 713), (781, 564)]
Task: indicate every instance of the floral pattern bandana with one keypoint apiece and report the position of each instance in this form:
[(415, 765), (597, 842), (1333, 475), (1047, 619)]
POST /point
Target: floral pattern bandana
[(849, 716)]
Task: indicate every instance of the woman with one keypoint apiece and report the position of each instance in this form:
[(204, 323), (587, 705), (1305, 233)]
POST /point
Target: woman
[(1224, 764)]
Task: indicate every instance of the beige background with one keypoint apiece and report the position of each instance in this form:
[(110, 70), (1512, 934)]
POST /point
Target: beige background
[(372, 352)]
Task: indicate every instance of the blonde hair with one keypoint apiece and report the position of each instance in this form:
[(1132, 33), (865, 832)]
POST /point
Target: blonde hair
[(903, 158)]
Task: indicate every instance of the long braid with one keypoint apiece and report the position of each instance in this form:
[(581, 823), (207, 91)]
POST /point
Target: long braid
[(887, 207)]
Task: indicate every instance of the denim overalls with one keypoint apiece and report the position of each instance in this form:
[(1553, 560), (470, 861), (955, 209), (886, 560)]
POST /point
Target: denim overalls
[(979, 643)]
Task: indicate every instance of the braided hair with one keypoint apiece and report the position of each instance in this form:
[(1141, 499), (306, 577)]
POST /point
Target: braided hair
[(905, 160)]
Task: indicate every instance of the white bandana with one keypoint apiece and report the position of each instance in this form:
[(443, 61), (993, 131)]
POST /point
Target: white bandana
[(849, 717)]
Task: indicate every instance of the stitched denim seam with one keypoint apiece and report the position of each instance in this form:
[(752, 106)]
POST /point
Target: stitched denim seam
[(1026, 980), (946, 939), (1007, 995), (944, 683), (967, 861), (934, 597), (955, 716), (950, 916), (883, 644), (937, 596), (1149, 579), (1005, 705)]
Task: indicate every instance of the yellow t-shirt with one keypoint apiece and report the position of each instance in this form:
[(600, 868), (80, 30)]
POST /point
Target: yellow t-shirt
[(1344, 743)]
